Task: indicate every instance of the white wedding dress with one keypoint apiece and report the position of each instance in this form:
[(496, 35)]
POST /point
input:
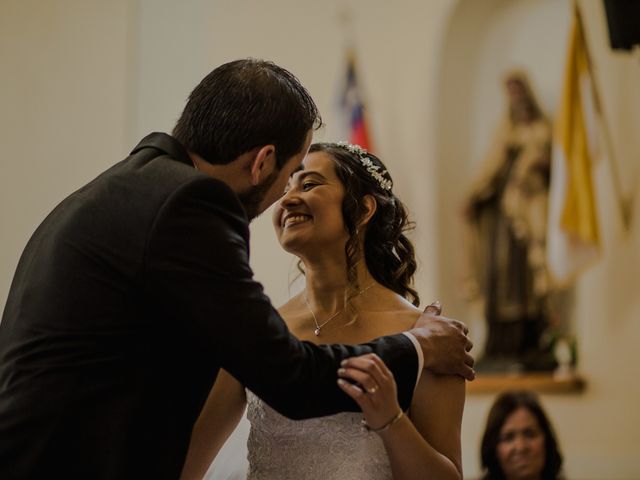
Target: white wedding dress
[(325, 448), (332, 447)]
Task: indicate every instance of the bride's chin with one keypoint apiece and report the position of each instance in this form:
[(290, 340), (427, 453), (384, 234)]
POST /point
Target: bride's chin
[(292, 246), (297, 246)]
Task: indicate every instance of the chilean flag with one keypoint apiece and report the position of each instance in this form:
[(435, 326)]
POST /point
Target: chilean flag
[(352, 107)]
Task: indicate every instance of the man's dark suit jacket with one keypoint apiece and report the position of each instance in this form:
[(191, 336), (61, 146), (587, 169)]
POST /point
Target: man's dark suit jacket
[(127, 300)]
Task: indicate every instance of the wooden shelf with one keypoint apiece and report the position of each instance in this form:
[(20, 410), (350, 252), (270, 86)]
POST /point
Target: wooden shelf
[(539, 382)]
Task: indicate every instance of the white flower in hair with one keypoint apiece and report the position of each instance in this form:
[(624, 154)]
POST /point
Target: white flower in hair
[(367, 163), (355, 149)]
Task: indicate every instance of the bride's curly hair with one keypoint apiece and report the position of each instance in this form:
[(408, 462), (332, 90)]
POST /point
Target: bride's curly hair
[(388, 253)]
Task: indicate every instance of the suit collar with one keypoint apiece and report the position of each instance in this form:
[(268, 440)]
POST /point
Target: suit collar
[(166, 144), (169, 146)]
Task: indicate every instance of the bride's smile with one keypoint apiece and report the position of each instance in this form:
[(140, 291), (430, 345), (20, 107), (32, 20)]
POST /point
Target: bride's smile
[(295, 219), (309, 213)]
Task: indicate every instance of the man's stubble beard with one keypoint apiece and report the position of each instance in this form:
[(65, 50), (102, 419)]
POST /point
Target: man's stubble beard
[(252, 200)]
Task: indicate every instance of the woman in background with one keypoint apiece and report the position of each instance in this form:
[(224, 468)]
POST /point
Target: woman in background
[(518, 442), (340, 217)]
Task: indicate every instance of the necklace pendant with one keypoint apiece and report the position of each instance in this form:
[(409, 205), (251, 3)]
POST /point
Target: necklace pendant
[(317, 332)]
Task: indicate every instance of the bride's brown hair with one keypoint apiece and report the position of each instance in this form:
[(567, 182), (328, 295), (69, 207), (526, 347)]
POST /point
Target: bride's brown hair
[(388, 253)]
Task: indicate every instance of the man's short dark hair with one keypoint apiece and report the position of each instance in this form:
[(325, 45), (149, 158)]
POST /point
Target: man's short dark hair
[(246, 104)]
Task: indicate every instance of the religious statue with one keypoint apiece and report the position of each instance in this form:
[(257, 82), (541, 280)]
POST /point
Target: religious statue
[(506, 215)]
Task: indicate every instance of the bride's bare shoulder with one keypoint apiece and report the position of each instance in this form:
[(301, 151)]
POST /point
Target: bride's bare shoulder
[(395, 313), (293, 305), (294, 311)]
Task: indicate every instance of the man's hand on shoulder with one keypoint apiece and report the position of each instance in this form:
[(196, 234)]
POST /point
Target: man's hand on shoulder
[(444, 343)]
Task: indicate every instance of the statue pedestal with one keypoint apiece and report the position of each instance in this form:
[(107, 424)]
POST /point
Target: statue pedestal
[(562, 382)]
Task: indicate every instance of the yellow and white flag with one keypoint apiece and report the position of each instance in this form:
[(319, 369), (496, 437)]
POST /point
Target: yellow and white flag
[(573, 239)]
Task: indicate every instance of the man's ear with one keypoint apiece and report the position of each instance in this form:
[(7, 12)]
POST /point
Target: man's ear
[(263, 164), (370, 206)]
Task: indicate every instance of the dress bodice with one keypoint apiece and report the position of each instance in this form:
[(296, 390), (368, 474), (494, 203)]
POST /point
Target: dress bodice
[(331, 447)]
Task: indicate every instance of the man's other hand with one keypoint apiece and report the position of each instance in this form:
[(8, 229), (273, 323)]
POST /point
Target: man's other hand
[(444, 343)]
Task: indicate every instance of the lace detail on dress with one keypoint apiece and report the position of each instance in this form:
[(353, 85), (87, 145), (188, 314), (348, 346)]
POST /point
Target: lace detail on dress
[(326, 448)]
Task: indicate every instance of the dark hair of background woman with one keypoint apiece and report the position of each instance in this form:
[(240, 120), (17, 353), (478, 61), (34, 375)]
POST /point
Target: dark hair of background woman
[(504, 406)]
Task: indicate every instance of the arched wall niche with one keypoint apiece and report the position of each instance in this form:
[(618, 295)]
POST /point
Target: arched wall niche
[(482, 41)]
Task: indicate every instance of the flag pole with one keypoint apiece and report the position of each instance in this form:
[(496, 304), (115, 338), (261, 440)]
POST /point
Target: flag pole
[(345, 19), (625, 203)]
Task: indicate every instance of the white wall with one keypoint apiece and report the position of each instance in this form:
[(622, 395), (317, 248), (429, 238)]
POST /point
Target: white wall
[(83, 80), (63, 93)]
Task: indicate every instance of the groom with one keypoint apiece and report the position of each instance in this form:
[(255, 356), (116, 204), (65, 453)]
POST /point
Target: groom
[(136, 289)]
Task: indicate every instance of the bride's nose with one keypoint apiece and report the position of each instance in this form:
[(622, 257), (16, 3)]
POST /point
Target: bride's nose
[(290, 198)]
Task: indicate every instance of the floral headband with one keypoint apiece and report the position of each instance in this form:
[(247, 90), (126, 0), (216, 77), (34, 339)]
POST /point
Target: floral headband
[(373, 169)]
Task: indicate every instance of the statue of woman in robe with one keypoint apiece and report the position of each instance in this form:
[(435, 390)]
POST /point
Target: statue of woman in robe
[(506, 211)]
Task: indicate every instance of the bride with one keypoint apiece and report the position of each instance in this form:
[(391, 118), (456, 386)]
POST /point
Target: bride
[(340, 217)]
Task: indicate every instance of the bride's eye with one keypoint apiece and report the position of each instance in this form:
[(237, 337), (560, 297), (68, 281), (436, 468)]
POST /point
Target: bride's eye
[(308, 186)]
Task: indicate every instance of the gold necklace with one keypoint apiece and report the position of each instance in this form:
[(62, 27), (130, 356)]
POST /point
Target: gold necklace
[(315, 319)]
